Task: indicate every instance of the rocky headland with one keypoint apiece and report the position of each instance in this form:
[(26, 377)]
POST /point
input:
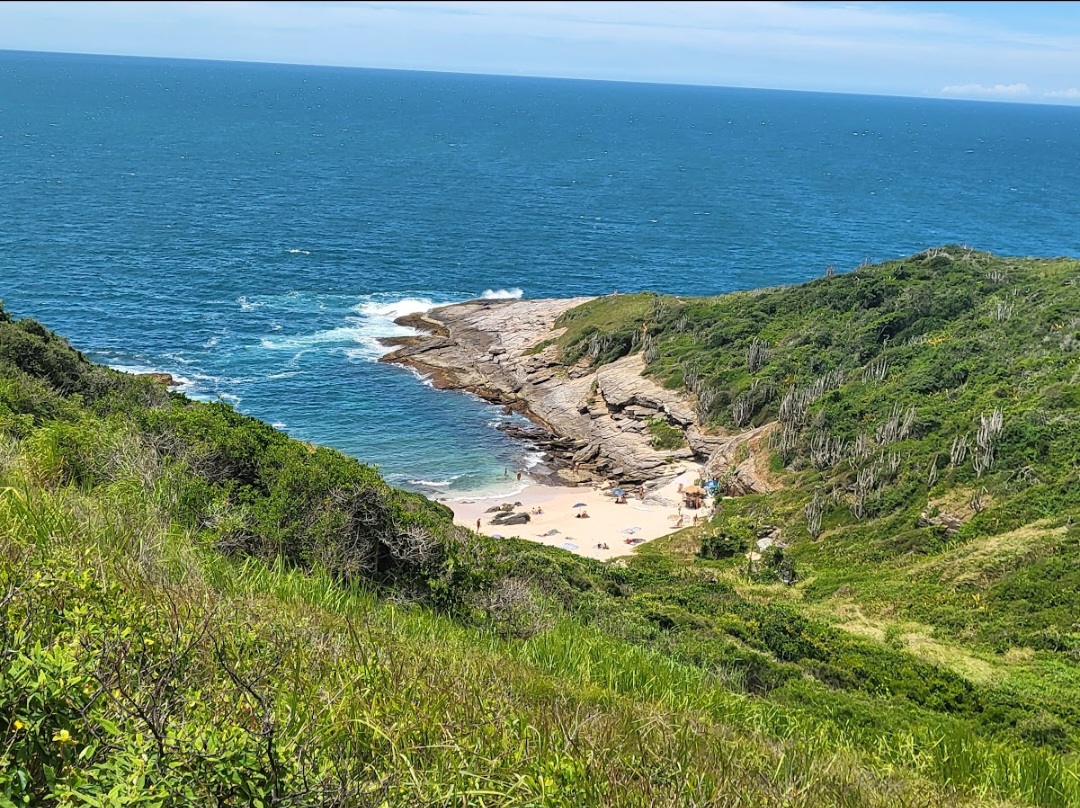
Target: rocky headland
[(592, 422)]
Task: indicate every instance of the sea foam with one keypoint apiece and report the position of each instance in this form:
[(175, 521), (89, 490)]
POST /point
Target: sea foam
[(357, 337), (502, 294)]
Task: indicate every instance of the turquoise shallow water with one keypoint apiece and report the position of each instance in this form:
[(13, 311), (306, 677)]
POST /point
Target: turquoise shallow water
[(253, 228)]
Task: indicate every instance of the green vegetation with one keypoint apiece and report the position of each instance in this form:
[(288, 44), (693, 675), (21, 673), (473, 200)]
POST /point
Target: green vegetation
[(662, 435), (924, 420), (197, 610), (734, 537)]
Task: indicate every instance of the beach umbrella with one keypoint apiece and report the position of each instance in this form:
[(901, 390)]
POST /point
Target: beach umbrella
[(619, 492), (632, 530), (580, 505), (674, 516)]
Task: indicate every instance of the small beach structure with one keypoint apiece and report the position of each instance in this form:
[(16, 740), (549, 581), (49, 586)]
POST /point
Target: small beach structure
[(694, 496)]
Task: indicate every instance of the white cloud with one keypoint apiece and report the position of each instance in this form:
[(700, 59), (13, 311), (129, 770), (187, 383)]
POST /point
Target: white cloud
[(1018, 90), (1071, 93)]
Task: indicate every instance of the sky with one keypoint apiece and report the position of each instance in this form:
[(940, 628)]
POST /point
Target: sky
[(1004, 51)]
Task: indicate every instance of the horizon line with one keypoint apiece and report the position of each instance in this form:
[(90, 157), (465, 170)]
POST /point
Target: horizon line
[(220, 60)]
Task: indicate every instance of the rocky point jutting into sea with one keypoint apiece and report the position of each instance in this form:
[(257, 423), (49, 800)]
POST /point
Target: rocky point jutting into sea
[(591, 422)]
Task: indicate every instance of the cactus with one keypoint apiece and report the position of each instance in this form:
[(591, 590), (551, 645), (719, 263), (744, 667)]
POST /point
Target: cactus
[(757, 354)]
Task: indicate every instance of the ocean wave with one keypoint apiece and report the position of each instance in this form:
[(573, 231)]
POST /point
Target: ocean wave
[(340, 336), (358, 336), (295, 251), (492, 491), (502, 294), (391, 310), (533, 459), (432, 483), (248, 305)]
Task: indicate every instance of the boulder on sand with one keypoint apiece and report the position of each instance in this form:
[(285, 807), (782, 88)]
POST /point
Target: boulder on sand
[(512, 519)]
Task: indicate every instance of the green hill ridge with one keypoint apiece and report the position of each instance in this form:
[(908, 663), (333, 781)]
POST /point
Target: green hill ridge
[(198, 610)]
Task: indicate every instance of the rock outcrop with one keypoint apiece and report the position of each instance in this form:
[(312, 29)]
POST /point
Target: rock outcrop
[(160, 378), (593, 422)]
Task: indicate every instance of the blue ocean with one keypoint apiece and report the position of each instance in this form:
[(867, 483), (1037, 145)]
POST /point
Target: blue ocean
[(252, 229)]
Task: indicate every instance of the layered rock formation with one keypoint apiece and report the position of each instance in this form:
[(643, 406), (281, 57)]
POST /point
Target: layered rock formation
[(593, 421)]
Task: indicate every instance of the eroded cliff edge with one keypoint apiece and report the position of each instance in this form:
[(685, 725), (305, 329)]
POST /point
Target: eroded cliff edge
[(595, 420)]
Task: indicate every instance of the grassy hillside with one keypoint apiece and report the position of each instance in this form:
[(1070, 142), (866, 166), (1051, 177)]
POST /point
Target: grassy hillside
[(924, 419), (195, 609)]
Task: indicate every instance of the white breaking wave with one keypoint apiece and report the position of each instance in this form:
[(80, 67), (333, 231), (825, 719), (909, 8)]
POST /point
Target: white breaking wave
[(248, 305), (533, 459), (343, 335), (433, 483), (371, 319), (394, 309), (358, 337), (492, 491), (502, 294), (295, 251)]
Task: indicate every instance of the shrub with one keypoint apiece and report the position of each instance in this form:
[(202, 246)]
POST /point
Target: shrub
[(664, 436), (733, 538)]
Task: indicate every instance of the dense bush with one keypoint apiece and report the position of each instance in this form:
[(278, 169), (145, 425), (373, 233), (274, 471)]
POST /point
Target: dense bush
[(730, 538)]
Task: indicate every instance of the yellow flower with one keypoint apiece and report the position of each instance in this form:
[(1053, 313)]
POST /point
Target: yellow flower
[(63, 737), (19, 725)]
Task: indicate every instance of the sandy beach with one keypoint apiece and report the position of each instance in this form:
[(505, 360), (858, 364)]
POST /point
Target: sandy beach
[(611, 530)]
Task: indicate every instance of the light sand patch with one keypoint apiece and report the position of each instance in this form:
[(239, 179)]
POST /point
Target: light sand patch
[(621, 527)]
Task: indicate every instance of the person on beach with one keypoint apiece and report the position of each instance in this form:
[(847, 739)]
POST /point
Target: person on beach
[(506, 473), (582, 515), (477, 525), (519, 474)]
